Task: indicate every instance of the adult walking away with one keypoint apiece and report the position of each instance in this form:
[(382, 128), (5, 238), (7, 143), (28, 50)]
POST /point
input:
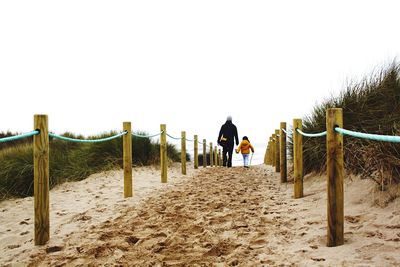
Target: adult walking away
[(226, 138)]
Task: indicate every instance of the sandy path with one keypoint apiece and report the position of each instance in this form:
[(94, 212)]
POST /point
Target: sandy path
[(234, 217), (76, 207)]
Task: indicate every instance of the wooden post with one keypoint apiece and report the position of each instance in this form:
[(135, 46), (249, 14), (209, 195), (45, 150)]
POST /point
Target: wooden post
[(183, 152), (163, 153), (41, 180), (204, 153), (211, 155), (127, 159), (196, 152), (335, 170), (298, 158), (277, 152), (215, 156), (273, 150), (220, 157), (282, 142)]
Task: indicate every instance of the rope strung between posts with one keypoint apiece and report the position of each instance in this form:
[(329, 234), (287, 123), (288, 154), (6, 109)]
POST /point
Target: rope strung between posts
[(288, 132), (376, 137), (176, 138), (180, 138), (17, 137), (311, 134), (87, 141), (146, 136)]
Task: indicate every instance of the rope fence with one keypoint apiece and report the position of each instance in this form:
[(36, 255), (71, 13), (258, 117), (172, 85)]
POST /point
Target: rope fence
[(146, 136), (311, 134), (18, 137), (276, 151), (41, 137), (375, 137), (64, 138)]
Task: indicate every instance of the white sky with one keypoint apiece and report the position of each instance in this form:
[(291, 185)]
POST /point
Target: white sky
[(90, 65)]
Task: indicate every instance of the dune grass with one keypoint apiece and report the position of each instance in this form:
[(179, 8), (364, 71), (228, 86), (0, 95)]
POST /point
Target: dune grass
[(72, 161), (371, 106)]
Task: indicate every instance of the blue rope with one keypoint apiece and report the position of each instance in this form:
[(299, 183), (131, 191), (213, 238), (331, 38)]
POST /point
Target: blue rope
[(146, 136), (173, 137), (87, 141), (311, 134), (376, 137), (189, 140), (21, 136)]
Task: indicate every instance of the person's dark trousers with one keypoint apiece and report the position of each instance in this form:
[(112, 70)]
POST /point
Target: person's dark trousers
[(227, 152)]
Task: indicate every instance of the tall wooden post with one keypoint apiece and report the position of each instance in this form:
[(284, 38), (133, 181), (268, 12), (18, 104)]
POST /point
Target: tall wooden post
[(282, 142), (211, 155), (215, 156), (335, 170), (183, 152), (204, 153), (41, 180), (298, 158), (196, 152), (277, 152), (273, 150), (127, 159), (220, 157), (163, 153)]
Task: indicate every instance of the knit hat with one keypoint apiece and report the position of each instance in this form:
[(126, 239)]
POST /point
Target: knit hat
[(229, 118)]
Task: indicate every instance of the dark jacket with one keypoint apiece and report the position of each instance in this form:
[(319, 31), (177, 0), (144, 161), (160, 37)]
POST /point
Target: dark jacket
[(229, 131)]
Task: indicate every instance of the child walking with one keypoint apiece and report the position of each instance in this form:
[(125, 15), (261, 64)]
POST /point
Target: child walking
[(245, 148)]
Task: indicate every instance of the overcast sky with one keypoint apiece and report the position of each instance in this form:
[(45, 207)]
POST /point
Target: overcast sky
[(90, 65)]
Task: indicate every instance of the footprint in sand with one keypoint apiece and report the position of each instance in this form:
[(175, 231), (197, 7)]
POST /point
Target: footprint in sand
[(374, 234), (353, 219), (13, 246), (313, 222), (222, 248), (258, 243), (54, 249), (318, 259)]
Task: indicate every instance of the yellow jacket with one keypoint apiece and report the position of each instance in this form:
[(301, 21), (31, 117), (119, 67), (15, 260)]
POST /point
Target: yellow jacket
[(245, 147)]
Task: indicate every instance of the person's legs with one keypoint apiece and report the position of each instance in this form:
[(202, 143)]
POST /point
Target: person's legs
[(246, 160), (224, 158), (230, 152)]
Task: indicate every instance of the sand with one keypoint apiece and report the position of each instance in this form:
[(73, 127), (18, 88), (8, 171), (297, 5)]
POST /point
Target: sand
[(211, 217)]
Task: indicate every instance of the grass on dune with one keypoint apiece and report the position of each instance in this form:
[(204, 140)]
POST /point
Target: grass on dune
[(72, 161), (371, 106)]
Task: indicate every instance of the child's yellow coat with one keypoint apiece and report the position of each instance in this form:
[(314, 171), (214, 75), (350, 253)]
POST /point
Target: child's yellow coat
[(245, 147)]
